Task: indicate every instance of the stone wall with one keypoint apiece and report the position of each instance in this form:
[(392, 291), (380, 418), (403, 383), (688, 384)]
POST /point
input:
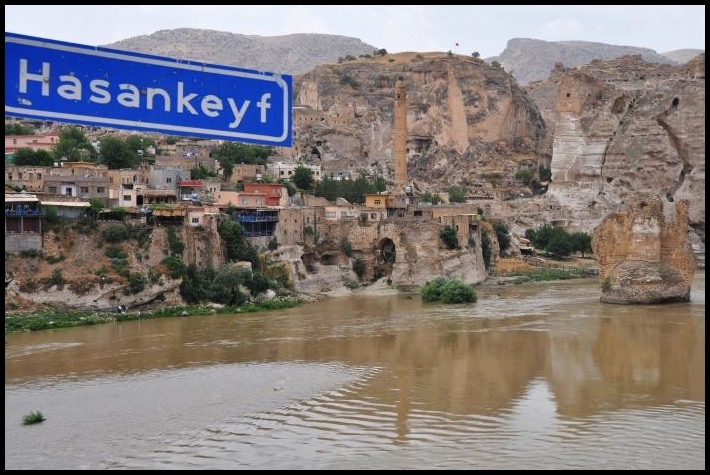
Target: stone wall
[(644, 253)]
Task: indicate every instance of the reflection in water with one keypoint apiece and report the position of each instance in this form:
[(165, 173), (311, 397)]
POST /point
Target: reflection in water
[(531, 376)]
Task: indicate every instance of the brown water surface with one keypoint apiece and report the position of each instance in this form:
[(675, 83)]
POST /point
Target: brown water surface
[(538, 375)]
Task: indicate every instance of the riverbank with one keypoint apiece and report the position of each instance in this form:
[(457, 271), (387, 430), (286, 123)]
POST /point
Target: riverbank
[(508, 271), (54, 318)]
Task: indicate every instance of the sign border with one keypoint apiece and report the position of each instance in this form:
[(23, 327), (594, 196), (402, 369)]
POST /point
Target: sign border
[(281, 80)]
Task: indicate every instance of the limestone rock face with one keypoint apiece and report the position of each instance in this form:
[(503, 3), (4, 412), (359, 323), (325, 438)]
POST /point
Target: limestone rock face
[(644, 253), (624, 126), (461, 113)]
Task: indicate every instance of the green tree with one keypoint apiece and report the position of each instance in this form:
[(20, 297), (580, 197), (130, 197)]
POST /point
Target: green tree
[(525, 175), (74, 145), (25, 156), (503, 236), (486, 249), (138, 142), (116, 154), (232, 153), (560, 243), (290, 187), (237, 246), (430, 197), (15, 128), (456, 194), (450, 237), (303, 177), (448, 291), (581, 242), (95, 207), (200, 172), (540, 236), (476, 55), (225, 287)]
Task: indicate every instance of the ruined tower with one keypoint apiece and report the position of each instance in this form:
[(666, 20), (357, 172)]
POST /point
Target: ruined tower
[(400, 136)]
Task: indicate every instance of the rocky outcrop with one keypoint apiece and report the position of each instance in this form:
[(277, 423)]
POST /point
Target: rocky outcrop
[(532, 60), (464, 118), (643, 252), (621, 127)]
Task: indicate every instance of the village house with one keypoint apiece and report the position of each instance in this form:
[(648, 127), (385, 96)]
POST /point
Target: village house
[(23, 222)]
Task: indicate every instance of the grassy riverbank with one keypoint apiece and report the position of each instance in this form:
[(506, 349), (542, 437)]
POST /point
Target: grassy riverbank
[(47, 319)]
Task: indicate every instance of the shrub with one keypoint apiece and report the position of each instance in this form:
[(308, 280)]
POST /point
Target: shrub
[(115, 232), (486, 249), (56, 279), (448, 291), (32, 418), (175, 266), (174, 242), (136, 283), (346, 247), (359, 268), (115, 252), (450, 237), (606, 285), (502, 235), (273, 244), (30, 253)]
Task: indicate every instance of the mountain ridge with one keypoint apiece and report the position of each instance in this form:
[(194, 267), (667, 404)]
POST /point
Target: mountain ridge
[(526, 59)]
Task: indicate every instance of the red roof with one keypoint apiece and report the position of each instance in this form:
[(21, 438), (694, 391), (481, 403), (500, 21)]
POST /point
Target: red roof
[(190, 183)]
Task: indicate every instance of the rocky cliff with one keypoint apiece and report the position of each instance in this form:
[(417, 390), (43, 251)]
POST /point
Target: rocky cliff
[(532, 60), (643, 252), (621, 127), (465, 119)]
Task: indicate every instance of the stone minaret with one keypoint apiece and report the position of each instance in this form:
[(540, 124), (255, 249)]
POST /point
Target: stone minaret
[(400, 136)]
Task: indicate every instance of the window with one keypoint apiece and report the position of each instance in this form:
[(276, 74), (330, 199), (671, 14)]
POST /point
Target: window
[(373, 215), (39, 176), (9, 176), (100, 189), (377, 202), (168, 180), (53, 189), (85, 189), (126, 197), (195, 220)]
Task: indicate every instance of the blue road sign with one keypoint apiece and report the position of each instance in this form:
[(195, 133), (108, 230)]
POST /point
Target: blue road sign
[(67, 82)]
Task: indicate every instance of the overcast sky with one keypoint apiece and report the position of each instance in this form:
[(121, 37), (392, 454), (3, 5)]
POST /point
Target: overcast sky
[(418, 28)]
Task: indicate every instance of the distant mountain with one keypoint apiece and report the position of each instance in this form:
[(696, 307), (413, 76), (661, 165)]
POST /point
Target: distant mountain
[(526, 59), (682, 56), (288, 54), (533, 60)]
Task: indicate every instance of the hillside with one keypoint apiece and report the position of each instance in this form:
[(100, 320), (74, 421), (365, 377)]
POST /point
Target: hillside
[(526, 59), (289, 54), (682, 56), (532, 60)]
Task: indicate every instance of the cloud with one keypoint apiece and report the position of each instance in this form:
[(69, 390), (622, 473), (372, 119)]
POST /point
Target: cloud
[(561, 29)]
